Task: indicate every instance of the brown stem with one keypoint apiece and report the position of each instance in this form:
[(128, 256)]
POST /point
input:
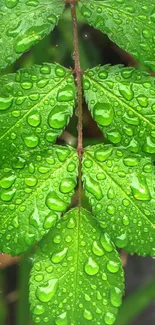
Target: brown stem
[(78, 73)]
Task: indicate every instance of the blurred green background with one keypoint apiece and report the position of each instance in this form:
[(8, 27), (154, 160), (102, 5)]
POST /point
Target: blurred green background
[(95, 48)]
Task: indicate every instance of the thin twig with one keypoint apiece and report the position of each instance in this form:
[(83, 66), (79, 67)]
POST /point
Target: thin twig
[(78, 73)]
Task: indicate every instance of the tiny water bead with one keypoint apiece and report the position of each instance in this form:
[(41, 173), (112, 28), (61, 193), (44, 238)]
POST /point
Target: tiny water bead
[(103, 113)]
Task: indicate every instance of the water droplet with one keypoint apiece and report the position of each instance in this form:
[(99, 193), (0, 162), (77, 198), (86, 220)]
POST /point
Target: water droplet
[(91, 267), (113, 266), (67, 185), (103, 154), (34, 119), (30, 181), (54, 202), (52, 19), (7, 195), (143, 101), (5, 103), (97, 250), (71, 223), (50, 220), (116, 296), (46, 292), (62, 153), (60, 71), (86, 12), (140, 189), (38, 310), (110, 209), (126, 92), (87, 315), (62, 319), (106, 242), (11, 3), (31, 141), (109, 318), (149, 146), (58, 117), (121, 241), (59, 256), (7, 181), (103, 114), (93, 187), (71, 167), (131, 161), (66, 94)]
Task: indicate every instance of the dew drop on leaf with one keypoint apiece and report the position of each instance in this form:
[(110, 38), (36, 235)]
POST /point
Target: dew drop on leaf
[(112, 266), (103, 113), (91, 267), (59, 256), (54, 202), (5, 103), (46, 292), (109, 318), (140, 189)]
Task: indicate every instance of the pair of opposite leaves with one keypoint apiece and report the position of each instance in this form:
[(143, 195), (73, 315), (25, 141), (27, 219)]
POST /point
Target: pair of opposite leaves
[(77, 275)]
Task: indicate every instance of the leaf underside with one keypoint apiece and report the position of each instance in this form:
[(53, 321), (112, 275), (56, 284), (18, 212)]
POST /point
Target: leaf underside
[(120, 188), (122, 102), (34, 192), (35, 106), (77, 276), (130, 24), (23, 23)]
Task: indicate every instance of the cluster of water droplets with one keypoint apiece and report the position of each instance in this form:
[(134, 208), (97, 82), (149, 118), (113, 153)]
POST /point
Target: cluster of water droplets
[(131, 26), (122, 102), (33, 195), (35, 109), (77, 274), (23, 24), (121, 192)]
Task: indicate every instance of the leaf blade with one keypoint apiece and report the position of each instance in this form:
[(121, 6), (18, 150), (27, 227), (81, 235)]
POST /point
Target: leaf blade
[(35, 106), (20, 32), (34, 195), (69, 256), (121, 193), (120, 101), (124, 24)]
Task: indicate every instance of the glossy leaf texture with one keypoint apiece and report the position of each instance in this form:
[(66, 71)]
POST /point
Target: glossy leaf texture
[(23, 23), (120, 188), (122, 102), (34, 192), (35, 106), (77, 276), (130, 24)]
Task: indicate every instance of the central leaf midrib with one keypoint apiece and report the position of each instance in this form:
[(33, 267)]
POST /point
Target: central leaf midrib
[(37, 190), (119, 186), (122, 102), (37, 103)]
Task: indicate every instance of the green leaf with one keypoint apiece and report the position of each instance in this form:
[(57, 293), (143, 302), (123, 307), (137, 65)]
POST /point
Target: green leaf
[(121, 101), (120, 189), (35, 106), (130, 24), (34, 192), (23, 23), (77, 276)]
